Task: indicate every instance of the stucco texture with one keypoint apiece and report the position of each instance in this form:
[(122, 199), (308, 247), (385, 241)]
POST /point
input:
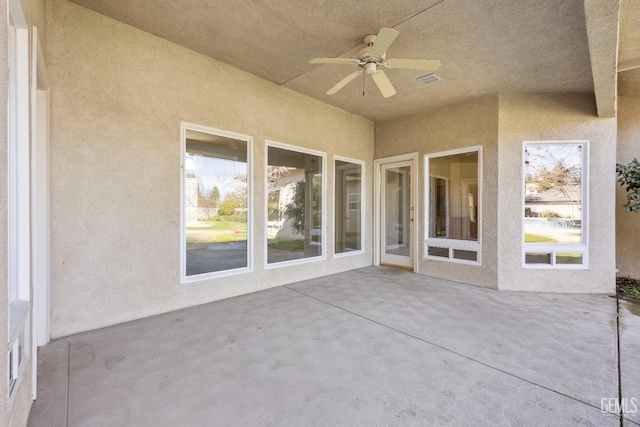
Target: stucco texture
[(539, 117), (461, 125), (500, 124), (35, 12), (118, 97), (627, 223)]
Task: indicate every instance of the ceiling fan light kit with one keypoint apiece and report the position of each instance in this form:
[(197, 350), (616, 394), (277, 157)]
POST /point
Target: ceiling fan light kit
[(374, 55)]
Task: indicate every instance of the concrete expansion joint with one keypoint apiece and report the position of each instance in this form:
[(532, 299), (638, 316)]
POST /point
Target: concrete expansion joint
[(406, 334)]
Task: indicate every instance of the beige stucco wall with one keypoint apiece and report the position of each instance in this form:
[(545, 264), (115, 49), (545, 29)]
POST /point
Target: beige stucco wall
[(537, 117), (118, 96), (464, 124), (627, 223), (35, 12)]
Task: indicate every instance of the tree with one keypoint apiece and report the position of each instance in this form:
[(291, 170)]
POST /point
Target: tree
[(629, 175), (214, 196), (233, 201), (210, 199), (274, 174), (557, 167), (294, 210)]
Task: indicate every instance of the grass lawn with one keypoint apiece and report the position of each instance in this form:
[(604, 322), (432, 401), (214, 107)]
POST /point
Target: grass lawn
[(535, 238), (568, 258), (217, 232), (220, 225), (288, 245)]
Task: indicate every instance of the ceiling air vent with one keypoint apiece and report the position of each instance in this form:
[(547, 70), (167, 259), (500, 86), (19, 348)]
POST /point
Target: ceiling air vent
[(429, 78)]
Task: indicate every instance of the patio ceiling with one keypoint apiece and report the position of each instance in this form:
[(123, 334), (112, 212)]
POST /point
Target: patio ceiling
[(485, 47)]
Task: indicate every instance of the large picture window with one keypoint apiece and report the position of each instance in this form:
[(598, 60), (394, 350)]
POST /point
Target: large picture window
[(453, 205), (295, 204), (554, 224), (348, 206), (216, 202)]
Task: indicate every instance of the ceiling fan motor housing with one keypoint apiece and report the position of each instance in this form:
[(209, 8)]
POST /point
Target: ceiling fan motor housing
[(370, 68)]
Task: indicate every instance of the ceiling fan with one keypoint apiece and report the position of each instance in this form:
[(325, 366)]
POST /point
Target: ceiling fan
[(373, 56)]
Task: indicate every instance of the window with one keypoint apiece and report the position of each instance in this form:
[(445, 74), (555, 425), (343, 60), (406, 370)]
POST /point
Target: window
[(555, 214), (453, 206), (216, 203), (295, 204), (19, 210), (349, 218)]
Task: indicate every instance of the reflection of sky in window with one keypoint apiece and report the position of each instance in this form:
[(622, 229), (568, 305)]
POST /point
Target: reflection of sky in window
[(538, 157), (215, 172)]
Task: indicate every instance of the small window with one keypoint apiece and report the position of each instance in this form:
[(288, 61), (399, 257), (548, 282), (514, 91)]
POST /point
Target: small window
[(439, 252), (555, 214), (295, 204), (349, 217), (216, 202), (453, 206)]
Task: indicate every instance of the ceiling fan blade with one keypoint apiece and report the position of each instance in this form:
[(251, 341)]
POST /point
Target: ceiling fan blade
[(383, 83), (342, 83), (413, 64), (346, 61), (385, 37)]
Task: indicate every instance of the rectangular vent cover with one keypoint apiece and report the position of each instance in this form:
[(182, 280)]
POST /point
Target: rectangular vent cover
[(429, 78)]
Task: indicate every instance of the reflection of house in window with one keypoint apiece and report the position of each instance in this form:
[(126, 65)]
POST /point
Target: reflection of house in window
[(294, 204), (554, 203)]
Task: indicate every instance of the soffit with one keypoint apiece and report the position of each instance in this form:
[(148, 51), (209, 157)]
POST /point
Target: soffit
[(485, 46)]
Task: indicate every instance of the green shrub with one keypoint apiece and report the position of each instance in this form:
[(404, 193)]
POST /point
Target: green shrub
[(629, 175)]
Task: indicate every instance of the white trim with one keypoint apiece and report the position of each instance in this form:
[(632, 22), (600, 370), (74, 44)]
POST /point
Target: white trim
[(362, 165), (184, 279), (323, 246), (40, 208), (19, 192), (559, 248), (453, 244), (377, 165)]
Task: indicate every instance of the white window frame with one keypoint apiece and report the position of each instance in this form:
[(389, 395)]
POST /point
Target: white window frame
[(559, 248), (362, 164), (452, 244), (19, 211), (323, 234), (184, 279)]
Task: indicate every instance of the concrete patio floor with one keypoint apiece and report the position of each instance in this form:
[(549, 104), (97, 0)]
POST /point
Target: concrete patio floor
[(367, 347)]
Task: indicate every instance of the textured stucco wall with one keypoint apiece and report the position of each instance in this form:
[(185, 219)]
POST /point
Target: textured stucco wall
[(35, 12), (627, 223), (118, 96), (537, 117), (464, 124)]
